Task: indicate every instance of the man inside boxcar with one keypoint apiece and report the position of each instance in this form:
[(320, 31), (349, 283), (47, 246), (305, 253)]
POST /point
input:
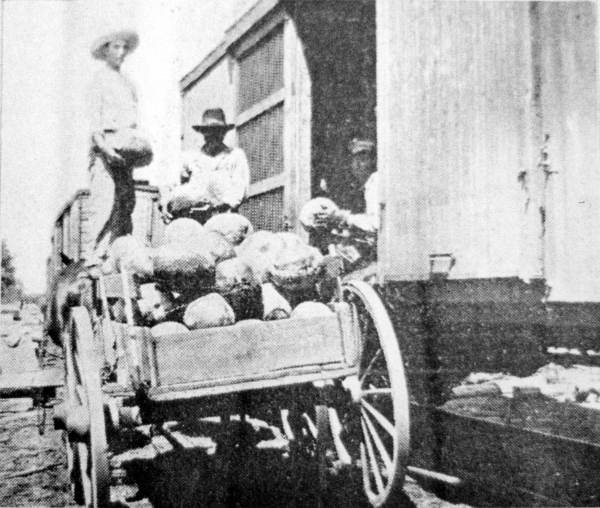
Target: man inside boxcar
[(353, 227), (361, 187), (115, 144), (215, 178), (358, 196)]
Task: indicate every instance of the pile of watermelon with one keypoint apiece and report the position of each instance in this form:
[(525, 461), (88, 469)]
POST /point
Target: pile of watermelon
[(218, 274)]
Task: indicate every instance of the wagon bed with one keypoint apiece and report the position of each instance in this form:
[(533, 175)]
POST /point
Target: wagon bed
[(246, 356)]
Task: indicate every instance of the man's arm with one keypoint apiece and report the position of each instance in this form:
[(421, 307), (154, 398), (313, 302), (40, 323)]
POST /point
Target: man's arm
[(368, 221)]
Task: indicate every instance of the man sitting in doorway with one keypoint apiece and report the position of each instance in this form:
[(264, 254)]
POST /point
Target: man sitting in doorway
[(362, 185), (353, 231), (215, 178)]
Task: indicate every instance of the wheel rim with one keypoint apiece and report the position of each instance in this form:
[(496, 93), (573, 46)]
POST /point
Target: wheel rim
[(88, 458), (380, 415)]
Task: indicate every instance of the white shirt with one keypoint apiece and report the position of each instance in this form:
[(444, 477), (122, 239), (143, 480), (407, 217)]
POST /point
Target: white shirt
[(112, 101), (368, 221), (222, 179)]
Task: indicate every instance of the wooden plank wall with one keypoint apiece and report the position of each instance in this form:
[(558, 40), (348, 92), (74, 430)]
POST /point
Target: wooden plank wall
[(569, 105), (338, 40), (297, 126), (84, 225), (454, 135), (218, 87)]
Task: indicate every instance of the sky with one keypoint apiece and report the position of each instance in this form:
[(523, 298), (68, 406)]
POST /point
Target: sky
[(46, 69)]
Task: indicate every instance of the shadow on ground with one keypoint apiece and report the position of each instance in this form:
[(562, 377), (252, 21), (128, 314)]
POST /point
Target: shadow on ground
[(239, 474)]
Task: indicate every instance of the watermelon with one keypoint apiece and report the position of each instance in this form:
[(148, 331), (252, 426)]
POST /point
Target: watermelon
[(155, 303), (260, 250), (168, 328), (275, 306), (236, 282), (260, 243), (130, 144), (218, 245), (208, 311), (297, 265), (232, 273), (245, 300), (233, 226), (117, 311), (311, 310), (313, 207), (183, 231), (185, 196), (184, 269), (178, 258), (129, 253)]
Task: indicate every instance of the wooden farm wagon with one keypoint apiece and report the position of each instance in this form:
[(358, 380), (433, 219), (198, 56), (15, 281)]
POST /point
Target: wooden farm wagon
[(339, 378), (331, 374)]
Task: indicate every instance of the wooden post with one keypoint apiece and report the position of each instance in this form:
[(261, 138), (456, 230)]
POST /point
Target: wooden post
[(131, 333)]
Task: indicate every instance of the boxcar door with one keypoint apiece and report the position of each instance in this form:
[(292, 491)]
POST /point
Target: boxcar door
[(457, 140), (567, 84)]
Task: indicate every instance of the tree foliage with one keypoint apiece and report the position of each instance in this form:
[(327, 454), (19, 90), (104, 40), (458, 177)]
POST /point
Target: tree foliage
[(10, 284)]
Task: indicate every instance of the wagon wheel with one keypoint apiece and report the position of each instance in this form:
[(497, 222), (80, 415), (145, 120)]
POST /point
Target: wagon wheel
[(86, 449), (374, 429)]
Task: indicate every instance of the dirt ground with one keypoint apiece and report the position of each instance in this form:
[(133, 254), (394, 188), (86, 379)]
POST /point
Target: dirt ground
[(33, 467), (33, 473)]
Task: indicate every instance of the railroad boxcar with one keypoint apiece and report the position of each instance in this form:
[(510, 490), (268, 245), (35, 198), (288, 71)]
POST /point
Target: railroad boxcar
[(485, 116)]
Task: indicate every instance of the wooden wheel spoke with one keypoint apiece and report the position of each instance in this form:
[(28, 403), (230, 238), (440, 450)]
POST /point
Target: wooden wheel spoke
[(365, 468), (378, 442), (336, 431), (81, 395), (84, 468), (370, 366), (374, 467), (381, 419), (377, 391), (311, 425)]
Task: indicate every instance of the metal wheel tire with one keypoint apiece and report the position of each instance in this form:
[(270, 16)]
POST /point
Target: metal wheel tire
[(74, 471), (89, 459), (323, 443), (379, 413)]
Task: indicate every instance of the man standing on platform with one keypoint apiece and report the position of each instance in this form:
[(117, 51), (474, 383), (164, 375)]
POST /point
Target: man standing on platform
[(116, 147)]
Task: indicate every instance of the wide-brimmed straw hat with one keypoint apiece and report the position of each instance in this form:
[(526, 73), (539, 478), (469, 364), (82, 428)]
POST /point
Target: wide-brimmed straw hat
[(213, 119), (129, 36)]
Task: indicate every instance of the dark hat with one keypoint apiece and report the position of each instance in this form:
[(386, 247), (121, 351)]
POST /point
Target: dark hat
[(361, 145), (211, 119)]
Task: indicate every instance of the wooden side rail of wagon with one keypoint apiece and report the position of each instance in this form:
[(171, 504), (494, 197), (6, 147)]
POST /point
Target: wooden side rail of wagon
[(339, 378)]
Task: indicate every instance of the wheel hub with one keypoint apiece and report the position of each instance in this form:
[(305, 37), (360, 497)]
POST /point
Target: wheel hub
[(352, 384)]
